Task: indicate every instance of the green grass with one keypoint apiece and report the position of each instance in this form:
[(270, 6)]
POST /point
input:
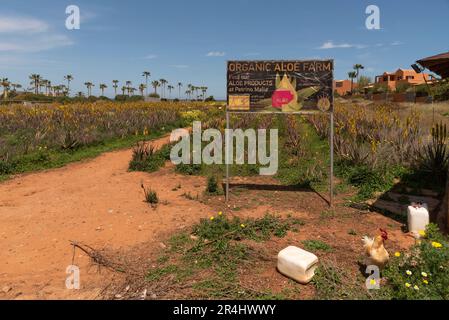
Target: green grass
[(218, 249), (49, 159), (316, 245), (308, 170), (334, 283)]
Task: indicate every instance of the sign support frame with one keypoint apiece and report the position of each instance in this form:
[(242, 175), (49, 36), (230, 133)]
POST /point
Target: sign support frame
[(331, 146), (305, 112)]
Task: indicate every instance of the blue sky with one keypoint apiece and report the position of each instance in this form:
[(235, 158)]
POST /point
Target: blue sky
[(190, 41)]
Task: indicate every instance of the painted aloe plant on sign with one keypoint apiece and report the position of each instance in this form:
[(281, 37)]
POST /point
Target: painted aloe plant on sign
[(280, 86)]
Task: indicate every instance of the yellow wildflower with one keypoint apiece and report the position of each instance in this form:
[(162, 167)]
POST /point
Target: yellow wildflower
[(408, 272), (424, 274), (212, 218), (422, 233), (408, 285), (425, 281), (242, 225), (416, 287), (436, 245), (397, 254), (372, 282), (220, 213)]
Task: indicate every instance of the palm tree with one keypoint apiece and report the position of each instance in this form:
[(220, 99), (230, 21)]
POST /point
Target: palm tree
[(123, 90), (357, 67), (35, 80), (131, 90), (89, 86), (190, 89), (5, 83), (58, 89), (115, 86), (44, 83), (146, 74), (179, 90), (352, 75), (204, 90), (69, 79), (142, 88), (163, 83), (49, 87), (155, 84), (64, 90), (80, 94), (197, 94), (128, 85), (170, 88), (16, 86), (102, 88)]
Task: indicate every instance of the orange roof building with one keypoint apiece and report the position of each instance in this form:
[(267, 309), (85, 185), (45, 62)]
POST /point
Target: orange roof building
[(402, 76)]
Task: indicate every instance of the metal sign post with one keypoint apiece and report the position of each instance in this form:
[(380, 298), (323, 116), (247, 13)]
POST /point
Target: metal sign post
[(331, 148), (226, 158), (281, 87)]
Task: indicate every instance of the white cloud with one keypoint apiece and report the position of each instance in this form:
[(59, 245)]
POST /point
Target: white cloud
[(86, 15), (35, 44), (22, 25), (150, 56), (26, 34), (331, 45), (215, 54), (397, 43)]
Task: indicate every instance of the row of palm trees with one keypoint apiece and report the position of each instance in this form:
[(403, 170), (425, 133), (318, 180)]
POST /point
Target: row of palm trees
[(7, 85), (43, 86)]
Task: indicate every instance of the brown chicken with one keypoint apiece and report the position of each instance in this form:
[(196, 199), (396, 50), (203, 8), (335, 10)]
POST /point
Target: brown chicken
[(375, 250)]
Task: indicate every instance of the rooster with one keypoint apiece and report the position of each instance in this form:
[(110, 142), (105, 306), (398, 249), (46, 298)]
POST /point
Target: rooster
[(375, 250)]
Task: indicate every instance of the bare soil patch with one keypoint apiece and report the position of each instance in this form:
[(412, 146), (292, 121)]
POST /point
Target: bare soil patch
[(100, 203)]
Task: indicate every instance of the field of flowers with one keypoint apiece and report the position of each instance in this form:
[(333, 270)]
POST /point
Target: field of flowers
[(377, 144), (374, 136), (26, 130)]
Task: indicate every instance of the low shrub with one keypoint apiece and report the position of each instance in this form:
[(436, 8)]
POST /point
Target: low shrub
[(146, 159), (212, 185), (434, 157), (150, 196), (422, 272), (188, 169), (369, 180)]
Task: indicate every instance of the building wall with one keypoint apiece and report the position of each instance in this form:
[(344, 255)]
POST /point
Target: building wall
[(402, 76), (343, 87)]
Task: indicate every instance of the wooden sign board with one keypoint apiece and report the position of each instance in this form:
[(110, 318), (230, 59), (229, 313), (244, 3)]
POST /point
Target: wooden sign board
[(280, 86)]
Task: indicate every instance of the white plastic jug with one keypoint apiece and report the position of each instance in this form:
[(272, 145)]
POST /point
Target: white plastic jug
[(418, 218), (297, 264)]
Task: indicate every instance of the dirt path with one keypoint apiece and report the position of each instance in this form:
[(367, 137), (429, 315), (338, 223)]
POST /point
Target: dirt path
[(96, 202), (99, 203)]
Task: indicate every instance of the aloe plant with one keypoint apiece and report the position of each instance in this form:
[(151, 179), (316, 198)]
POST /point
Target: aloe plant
[(435, 156)]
